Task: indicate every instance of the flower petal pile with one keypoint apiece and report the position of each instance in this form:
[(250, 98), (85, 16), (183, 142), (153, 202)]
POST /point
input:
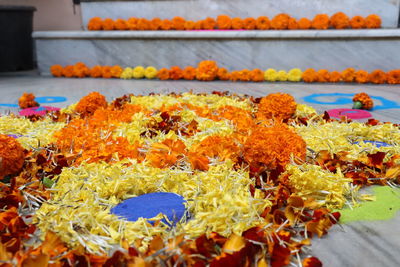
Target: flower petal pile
[(260, 177)]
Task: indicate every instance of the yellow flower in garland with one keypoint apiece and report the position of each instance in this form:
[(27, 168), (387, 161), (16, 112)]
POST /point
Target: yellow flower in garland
[(294, 75), (150, 72), (127, 73), (138, 72), (271, 75), (282, 76)]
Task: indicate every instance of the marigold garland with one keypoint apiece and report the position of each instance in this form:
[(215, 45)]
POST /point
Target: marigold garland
[(224, 22), (208, 70)]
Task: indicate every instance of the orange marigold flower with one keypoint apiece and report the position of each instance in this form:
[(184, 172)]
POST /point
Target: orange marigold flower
[(56, 70), (106, 72), (116, 71), (90, 103), (166, 25), (273, 146), (244, 75), (304, 24), (348, 75), (198, 25), (310, 76), (237, 24), (224, 22), (96, 71), (209, 24), (163, 74), (216, 146), (108, 24), (257, 75), (280, 22), (377, 77), (120, 25), (95, 24), (235, 76), (320, 22), (12, 156), (80, 70), (335, 77), (155, 24), (340, 21), (223, 74), (293, 25), (68, 71), (167, 153), (143, 24), (323, 76), (263, 23), (189, 73), (241, 119), (364, 101), (175, 73), (207, 70), (178, 23), (373, 21), (132, 23), (357, 22), (276, 106), (393, 77), (361, 76), (249, 23), (27, 100), (189, 25)]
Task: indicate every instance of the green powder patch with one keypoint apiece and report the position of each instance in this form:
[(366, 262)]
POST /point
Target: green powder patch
[(385, 206)]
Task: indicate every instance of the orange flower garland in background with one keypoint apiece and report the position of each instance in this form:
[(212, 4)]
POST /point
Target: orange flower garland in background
[(304, 24), (320, 22), (163, 74), (280, 22), (208, 70), (340, 21), (56, 70), (224, 22), (189, 73), (12, 156), (373, 22), (263, 23), (377, 77), (393, 77), (357, 22), (361, 76)]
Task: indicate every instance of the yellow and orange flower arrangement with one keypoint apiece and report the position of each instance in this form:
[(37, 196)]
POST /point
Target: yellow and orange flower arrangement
[(224, 22), (261, 176), (209, 70)]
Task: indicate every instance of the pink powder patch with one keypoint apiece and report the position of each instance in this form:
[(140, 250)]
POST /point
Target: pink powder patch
[(354, 114), (41, 111)]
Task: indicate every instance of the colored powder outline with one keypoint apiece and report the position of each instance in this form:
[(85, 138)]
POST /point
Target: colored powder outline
[(385, 207)]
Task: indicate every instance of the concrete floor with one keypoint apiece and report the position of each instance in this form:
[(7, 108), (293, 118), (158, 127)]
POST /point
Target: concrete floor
[(357, 244)]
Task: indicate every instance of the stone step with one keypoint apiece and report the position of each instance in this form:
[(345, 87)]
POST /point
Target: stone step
[(234, 50), (388, 10)]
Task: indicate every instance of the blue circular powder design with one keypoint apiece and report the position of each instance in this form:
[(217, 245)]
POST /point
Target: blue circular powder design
[(150, 205), (378, 144)]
